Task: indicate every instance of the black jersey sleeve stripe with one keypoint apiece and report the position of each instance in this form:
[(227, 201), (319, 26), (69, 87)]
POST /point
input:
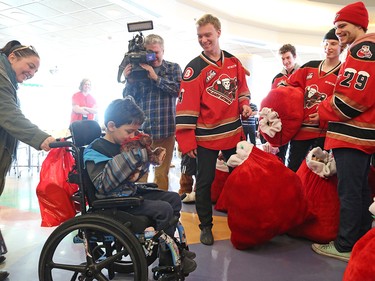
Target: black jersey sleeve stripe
[(352, 131), (345, 109), (184, 119), (219, 130)]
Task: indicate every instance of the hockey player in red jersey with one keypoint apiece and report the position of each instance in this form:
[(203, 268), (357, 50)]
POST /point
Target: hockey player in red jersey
[(212, 96), (351, 132), (317, 79)]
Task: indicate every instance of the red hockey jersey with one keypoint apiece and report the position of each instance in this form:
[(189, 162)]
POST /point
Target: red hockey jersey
[(210, 103), (351, 109), (280, 78), (317, 86)]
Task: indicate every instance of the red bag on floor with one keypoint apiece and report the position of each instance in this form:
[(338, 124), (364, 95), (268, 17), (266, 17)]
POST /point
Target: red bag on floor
[(323, 200), (263, 199), (221, 175), (361, 265), (53, 191)]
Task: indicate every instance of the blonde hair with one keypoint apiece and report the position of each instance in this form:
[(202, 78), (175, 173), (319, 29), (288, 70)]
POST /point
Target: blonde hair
[(208, 18)]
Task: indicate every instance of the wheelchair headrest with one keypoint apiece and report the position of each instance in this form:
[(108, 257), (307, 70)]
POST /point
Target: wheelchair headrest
[(84, 132)]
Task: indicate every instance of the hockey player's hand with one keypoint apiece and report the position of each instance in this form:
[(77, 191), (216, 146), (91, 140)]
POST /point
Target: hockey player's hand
[(246, 111)]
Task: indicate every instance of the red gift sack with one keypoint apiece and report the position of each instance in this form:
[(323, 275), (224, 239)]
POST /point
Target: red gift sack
[(53, 191), (281, 115), (361, 266), (323, 201), (263, 199), (221, 175)]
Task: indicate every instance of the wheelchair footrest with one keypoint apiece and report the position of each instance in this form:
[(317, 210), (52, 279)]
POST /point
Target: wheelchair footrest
[(166, 273)]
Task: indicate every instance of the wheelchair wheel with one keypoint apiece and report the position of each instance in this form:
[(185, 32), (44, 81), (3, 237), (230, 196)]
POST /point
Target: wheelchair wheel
[(101, 246)]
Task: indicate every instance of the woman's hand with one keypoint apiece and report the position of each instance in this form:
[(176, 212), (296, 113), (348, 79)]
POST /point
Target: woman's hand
[(45, 144)]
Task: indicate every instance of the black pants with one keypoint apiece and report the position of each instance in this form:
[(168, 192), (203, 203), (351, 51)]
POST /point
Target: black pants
[(206, 167), (298, 149), (159, 205), (355, 197), (250, 131), (282, 152)]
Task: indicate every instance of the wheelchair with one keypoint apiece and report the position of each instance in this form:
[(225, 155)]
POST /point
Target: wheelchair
[(104, 242)]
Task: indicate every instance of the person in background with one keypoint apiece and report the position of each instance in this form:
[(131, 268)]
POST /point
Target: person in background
[(212, 97), (249, 125), (17, 64), (350, 113), (317, 79), (84, 105), (157, 96), (288, 56)]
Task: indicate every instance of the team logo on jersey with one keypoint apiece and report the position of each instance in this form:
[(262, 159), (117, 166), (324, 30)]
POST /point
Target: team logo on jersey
[(209, 75), (364, 52), (313, 97), (188, 73), (224, 88)]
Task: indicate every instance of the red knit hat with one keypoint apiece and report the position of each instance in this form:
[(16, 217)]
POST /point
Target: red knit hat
[(355, 13)]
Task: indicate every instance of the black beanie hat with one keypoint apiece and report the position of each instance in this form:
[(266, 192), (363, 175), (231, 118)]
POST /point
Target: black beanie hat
[(331, 35)]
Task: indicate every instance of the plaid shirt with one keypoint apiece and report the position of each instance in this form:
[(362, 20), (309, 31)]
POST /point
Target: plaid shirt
[(157, 99)]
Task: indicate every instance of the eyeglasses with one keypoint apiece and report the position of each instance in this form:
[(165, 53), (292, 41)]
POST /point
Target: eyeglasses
[(26, 47)]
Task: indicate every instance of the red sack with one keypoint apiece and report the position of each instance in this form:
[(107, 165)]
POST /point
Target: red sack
[(221, 175), (53, 191), (361, 265), (323, 200), (287, 104), (263, 199)]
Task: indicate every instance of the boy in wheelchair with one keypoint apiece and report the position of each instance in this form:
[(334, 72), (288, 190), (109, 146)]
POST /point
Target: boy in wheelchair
[(110, 171)]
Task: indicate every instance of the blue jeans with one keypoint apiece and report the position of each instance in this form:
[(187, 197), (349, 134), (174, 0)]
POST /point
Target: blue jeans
[(355, 197)]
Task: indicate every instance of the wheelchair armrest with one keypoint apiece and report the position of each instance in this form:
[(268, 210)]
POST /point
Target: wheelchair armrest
[(117, 202)]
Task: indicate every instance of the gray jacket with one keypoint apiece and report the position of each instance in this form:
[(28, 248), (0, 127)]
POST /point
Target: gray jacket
[(13, 124)]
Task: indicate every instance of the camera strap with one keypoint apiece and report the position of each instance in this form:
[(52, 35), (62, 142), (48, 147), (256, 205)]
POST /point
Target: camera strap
[(121, 70)]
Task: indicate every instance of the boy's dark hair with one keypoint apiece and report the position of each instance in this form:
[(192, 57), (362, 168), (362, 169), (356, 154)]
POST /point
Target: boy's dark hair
[(288, 48), (124, 112)]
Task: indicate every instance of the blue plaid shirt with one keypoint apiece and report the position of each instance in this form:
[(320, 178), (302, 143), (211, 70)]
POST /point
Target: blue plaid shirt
[(157, 99)]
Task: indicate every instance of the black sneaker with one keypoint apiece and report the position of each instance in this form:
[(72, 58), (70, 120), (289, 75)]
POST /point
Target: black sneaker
[(3, 275), (206, 236), (189, 254), (188, 265)]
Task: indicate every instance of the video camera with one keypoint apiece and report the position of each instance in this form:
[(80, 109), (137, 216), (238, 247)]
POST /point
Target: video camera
[(136, 52)]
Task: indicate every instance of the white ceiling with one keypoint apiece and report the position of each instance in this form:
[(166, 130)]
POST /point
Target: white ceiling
[(92, 34)]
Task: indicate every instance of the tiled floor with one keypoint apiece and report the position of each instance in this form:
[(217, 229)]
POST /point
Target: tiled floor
[(281, 259)]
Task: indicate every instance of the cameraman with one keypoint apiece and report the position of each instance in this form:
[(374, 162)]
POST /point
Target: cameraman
[(156, 96)]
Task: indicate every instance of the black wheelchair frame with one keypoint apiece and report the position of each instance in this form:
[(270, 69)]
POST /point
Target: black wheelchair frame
[(104, 242)]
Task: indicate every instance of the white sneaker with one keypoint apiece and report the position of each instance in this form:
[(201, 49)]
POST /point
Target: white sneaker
[(189, 198)]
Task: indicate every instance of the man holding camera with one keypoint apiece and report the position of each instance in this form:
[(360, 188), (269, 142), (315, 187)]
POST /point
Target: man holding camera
[(156, 96)]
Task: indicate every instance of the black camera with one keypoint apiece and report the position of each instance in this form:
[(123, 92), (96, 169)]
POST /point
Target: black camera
[(137, 53)]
